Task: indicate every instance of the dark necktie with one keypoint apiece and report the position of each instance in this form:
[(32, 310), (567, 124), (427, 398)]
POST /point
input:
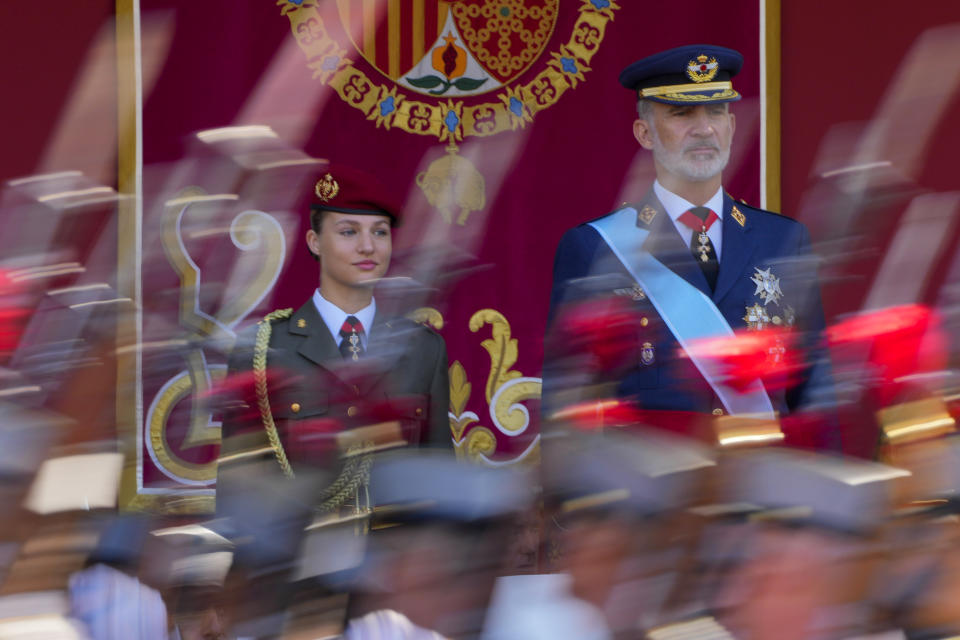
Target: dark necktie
[(700, 219), (350, 345)]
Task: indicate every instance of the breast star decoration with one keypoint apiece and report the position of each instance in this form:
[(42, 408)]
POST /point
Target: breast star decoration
[(768, 286)]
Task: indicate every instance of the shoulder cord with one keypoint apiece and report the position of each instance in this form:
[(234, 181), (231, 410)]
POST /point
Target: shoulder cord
[(357, 469), (260, 383)]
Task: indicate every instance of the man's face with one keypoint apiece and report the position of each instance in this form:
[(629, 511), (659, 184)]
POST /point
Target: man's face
[(354, 249), (689, 142)]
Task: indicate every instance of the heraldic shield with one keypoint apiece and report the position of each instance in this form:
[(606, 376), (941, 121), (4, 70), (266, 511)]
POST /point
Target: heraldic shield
[(463, 47)]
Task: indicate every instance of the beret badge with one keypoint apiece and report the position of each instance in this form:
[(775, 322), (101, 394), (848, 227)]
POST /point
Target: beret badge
[(327, 188), (702, 69)]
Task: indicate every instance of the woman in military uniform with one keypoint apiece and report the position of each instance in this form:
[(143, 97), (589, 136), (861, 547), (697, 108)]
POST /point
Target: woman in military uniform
[(338, 375)]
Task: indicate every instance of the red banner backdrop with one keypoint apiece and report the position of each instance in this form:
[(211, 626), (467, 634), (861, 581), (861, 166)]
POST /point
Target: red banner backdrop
[(500, 121)]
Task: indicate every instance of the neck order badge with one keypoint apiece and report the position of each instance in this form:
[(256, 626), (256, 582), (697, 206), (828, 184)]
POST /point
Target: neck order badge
[(350, 347)]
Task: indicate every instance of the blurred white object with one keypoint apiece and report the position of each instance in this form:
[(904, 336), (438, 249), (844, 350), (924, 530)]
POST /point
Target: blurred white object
[(541, 606), (37, 615), (387, 625), (81, 482)]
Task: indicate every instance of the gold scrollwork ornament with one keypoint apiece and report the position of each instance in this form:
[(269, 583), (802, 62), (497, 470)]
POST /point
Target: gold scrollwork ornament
[(505, 391)]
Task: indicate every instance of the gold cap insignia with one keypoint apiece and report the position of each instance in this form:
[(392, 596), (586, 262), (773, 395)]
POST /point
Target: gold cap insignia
[(739, 217), (327, 188), (647, 214), (301, 323), (702, 69)]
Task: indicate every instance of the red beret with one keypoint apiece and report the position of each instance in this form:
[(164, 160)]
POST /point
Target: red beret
[(348, 190)]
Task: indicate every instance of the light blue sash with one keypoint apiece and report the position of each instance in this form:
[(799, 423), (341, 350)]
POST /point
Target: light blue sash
[(689, 314)]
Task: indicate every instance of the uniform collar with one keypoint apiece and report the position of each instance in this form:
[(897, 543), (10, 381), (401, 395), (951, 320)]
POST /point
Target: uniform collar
[(675, 206), (333, 316)]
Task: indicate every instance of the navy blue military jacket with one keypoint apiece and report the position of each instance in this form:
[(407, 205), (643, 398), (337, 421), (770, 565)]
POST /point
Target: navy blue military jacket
[(767, 276)]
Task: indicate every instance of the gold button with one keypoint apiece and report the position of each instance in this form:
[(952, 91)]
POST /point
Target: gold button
[(295, 407), (718, 412), (644, 321), (352, 411), (419, 411)]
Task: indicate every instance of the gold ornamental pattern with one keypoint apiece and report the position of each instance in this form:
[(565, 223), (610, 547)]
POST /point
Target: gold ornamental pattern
[(503, 31), (509, 108)]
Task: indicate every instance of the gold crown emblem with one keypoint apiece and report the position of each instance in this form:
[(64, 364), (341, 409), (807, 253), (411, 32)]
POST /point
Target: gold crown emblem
[(702, 69), (327, 188)]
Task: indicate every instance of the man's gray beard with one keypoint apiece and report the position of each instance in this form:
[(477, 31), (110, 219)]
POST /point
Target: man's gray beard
[(696, 171)]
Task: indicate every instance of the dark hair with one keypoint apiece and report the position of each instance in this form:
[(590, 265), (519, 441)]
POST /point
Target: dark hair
[(316, 218), (316, 223)]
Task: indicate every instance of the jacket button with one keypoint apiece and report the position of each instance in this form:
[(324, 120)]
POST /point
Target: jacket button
[(295, 407), (718, 412), (352, 411), (644, 321), (419, 411)]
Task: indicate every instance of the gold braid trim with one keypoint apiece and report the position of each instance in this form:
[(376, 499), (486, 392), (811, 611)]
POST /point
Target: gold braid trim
[(264, 329), (355, 473)]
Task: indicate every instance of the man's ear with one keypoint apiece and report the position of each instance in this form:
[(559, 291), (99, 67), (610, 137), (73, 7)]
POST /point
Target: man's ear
[(643, 134), (313, 242)]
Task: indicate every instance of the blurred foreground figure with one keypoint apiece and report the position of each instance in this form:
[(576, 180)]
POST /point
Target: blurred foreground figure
[(338, 373), (805, 559), (438, 540), (617, 502), (919, 589), (686, 263)]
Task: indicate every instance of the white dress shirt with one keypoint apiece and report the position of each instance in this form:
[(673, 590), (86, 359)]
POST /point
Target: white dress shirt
[(333, 316), (675, 206)]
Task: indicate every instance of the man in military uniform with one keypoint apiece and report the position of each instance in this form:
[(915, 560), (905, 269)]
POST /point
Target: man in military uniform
[(688, 260), (338, 373)]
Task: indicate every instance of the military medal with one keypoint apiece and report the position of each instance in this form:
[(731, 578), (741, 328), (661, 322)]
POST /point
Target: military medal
[(702, 248), (756, 317), (777, 352), (768, 286), (350, 345), (646, 353), (635, 292), (354, 345)]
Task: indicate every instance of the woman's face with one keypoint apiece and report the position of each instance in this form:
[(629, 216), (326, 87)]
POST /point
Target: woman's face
[(354, 249)]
